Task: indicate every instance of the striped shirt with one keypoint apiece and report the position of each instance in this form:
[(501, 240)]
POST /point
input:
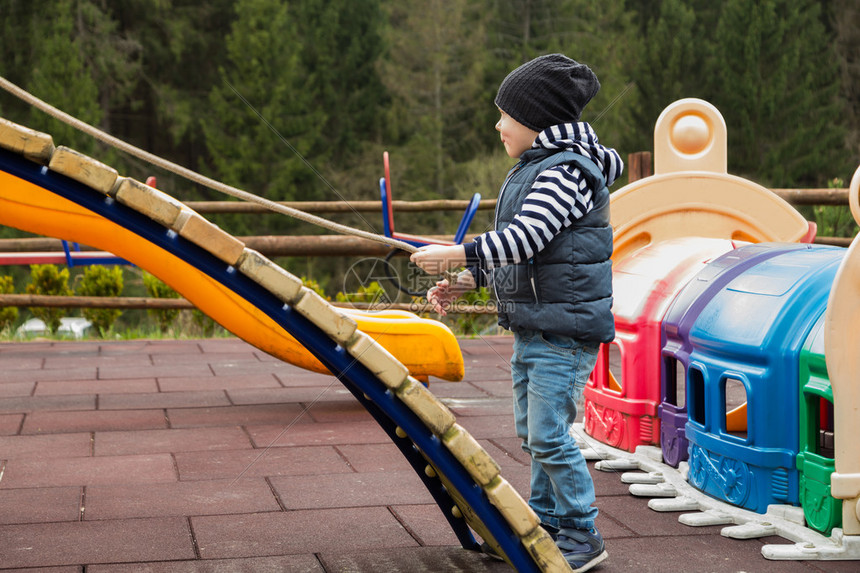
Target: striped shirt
[(558, 197)]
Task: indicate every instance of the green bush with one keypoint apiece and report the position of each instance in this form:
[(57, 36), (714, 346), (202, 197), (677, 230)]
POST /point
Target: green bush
[(315, 286), (372, 294), (474, 324), (49, 280), (101, 281), (8, 314), (205, 325), (835, 220), (158, 289)]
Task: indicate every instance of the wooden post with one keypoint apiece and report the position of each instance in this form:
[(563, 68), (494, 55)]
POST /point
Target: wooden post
[(638, 165)]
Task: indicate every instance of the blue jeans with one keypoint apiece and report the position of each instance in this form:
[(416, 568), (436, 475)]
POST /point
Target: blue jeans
[(549, 374)]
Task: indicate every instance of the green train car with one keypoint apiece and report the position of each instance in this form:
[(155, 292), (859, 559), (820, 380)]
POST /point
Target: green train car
[(815, 458)]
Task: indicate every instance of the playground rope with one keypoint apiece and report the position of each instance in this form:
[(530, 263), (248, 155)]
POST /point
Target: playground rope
[(193, 175)]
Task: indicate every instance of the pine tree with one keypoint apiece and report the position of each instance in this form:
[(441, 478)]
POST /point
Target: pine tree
[(71, 54), (60, 76), (261, 128), (433, 73), (603, 36), (845, 19), (181, 49), (341, 43), (524, 29), (672, 56), (776, 82)]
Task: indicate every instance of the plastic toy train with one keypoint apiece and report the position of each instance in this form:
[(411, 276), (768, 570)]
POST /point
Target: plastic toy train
[(737, 383), (719, 357)]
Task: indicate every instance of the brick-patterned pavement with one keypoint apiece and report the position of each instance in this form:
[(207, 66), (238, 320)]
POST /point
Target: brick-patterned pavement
[(209, 455)]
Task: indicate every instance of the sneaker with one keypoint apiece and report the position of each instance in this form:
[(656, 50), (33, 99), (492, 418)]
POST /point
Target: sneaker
[(553, 531), (487, 549), (582, 548)]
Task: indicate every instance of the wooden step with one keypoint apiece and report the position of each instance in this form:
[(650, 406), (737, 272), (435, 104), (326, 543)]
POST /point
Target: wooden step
[(34, 145), (83, 169)]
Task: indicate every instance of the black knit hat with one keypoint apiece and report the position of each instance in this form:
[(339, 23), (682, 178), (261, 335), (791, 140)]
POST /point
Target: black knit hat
[(546, 91)]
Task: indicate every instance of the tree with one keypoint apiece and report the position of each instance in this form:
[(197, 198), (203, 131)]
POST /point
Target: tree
[(774, 77), (602, 36), (71, 54), (262, 128), (845, 19), (340, 81), (524, 29), (341, 43), (181, 49), (61, 76), (158, 289), (8, 314), (672, 54), (433, 73)]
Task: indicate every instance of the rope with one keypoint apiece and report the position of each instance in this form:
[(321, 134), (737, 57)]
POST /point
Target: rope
[(193, 175)]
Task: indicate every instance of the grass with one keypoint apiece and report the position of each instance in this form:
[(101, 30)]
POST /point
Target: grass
[(137, 326), (190, 325)]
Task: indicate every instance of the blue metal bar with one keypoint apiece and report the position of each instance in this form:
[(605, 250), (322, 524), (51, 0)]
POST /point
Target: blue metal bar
[(72, 261), (468, 215), (69, 261), (383, 194)]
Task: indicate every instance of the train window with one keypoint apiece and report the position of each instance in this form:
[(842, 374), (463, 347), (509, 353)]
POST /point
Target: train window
[(616, 369), (696, 399), (676, 381), (735, 407), (825, 428)]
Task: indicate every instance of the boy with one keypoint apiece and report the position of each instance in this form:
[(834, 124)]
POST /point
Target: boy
[(548, 262)]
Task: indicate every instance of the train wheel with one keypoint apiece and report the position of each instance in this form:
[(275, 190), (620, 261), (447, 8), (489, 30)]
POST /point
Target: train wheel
[(698, 475), (737, 478)]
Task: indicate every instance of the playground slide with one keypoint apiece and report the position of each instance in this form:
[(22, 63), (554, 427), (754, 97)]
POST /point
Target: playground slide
[(425, 347), (58, 192)]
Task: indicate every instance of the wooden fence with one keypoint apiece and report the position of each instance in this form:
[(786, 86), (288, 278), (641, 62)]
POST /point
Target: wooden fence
[(638, 166)]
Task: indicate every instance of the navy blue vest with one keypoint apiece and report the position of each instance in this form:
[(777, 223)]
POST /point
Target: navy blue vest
[(566, 288)]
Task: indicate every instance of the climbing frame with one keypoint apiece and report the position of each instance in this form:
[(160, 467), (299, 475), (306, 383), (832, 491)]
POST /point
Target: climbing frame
[(259, 301)]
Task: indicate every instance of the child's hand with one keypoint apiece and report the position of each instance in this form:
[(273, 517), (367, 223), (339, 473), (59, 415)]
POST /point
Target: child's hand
[(436, 259), (443, 294)]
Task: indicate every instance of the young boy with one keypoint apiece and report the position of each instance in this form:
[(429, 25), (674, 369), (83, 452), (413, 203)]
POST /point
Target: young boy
[(548, 262)]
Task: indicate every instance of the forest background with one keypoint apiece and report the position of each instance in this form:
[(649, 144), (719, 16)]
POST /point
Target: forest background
[(296, 100)]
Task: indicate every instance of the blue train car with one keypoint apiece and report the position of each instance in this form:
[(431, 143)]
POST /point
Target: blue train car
[(745, 348), (677, 347)]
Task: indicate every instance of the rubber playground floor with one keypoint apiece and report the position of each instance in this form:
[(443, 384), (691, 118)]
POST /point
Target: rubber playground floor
[(211, 456)]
